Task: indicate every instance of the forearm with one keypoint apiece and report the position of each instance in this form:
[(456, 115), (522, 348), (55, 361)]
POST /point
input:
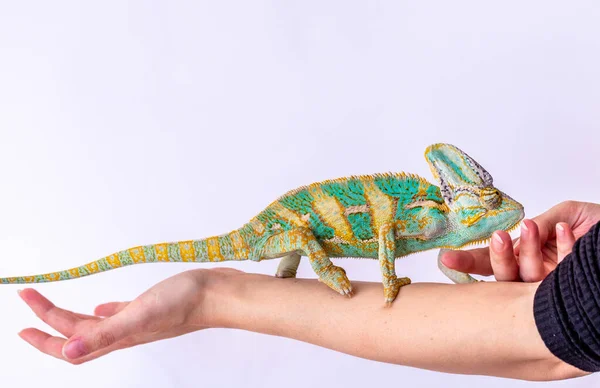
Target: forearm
[(484, 328)]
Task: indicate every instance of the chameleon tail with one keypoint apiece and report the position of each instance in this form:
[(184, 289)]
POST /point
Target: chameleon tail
[(231, 246)]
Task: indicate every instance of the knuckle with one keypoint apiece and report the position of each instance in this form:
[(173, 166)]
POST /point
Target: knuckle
[(47, 314), (532, 278), (103, 339), (533, 226), (503, 260), (568, 205)]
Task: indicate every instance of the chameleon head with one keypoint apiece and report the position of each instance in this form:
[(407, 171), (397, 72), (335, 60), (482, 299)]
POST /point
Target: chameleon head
[(477, 208)]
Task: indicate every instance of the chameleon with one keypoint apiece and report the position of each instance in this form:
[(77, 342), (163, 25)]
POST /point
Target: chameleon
[(382, 216)]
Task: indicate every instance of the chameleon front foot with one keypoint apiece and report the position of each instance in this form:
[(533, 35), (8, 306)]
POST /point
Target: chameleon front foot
[(391, 288), (335, 277)]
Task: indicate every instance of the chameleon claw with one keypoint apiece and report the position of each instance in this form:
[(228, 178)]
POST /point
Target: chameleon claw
[(347, 292)]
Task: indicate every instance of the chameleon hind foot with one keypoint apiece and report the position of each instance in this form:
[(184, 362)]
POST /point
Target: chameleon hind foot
[(288, 266), (301, 240), (391, 288)]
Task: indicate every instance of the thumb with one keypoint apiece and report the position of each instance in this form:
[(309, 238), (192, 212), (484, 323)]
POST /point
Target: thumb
[(104, 334)]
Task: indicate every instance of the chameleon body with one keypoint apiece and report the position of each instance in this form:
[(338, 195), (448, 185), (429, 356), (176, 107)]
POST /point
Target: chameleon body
[(381, 216)]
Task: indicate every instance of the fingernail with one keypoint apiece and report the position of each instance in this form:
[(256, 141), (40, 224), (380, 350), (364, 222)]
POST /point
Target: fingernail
[(19, 291), (74, 349), (497, 242), (560, 229), (524, 230), (516, 243)]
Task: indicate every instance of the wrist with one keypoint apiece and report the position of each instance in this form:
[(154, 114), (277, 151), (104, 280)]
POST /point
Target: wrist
[(221, 290)]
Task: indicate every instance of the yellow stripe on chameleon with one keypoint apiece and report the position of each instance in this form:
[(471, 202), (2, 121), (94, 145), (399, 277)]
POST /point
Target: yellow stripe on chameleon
[(240, 249), (214, 250), (137, 255), (288, 215), (92, 267), (52, 276), (422, 192), (74, 272), (381, 205), (162, 254), (113, 260), (332, 213), (257, 226), (29, 279), (187, 251)]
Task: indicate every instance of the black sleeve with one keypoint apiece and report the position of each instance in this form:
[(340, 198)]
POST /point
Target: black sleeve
[(567, 305)]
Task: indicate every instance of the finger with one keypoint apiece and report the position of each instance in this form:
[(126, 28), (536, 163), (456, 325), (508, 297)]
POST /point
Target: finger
[(105, 333), (61, 320), (34, 296), (502, 258), (531, 261), (53, 346), (564, 240), (474, 261), (515, 245), (109, 309), (44, 342)]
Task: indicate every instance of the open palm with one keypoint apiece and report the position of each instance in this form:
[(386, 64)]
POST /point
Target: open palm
[(169, 309)]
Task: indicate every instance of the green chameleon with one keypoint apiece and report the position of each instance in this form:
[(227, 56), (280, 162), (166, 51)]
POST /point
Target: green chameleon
[(381, 216)]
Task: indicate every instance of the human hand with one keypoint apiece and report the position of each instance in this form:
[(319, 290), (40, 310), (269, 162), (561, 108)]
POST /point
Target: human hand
[(173, 307), (544, 242)]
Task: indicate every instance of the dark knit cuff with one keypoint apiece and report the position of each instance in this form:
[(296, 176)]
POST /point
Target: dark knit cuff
[(567, 305)]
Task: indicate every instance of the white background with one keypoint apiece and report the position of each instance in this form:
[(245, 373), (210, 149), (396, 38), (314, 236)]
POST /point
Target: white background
[(126, 123)]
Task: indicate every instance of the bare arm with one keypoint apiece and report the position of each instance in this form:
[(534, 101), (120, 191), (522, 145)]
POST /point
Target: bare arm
[(484, 328)]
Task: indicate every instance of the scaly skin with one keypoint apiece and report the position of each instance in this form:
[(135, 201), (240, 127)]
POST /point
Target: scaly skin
[(382, 216)]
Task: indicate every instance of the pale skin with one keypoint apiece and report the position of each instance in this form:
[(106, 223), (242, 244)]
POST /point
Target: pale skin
[(483, 328)]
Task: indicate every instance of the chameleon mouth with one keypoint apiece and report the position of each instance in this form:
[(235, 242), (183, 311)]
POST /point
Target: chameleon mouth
[(483, 240), (515, 226)]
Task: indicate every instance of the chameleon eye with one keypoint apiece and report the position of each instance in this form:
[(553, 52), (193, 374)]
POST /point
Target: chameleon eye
[(490, 197)]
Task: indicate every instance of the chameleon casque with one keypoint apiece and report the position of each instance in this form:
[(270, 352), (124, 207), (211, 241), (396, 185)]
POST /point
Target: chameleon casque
[(381, 216)]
